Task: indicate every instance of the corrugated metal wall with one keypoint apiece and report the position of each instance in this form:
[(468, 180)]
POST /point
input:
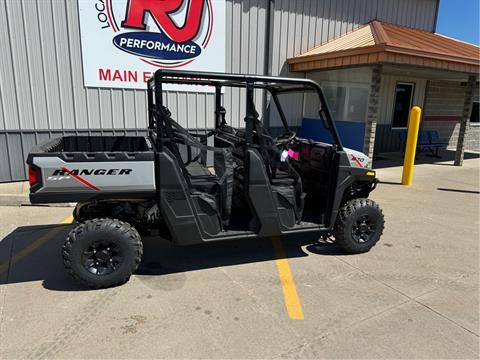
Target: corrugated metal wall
[(41, 81)]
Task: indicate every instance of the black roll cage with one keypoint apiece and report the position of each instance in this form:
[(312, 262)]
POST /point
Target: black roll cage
[(158, 119)]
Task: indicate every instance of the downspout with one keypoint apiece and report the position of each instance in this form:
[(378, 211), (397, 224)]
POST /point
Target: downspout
[(424, 104), (267, 64), (436, 17)]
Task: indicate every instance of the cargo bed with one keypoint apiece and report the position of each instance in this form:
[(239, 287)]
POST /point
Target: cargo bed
[(83, 168), (93, 144)]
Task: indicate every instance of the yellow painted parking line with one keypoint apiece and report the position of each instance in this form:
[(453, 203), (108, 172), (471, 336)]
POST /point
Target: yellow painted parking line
[(290, 295), (33, 246)]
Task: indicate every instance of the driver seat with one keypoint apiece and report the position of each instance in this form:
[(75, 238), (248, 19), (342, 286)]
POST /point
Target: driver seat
[(284, 179)]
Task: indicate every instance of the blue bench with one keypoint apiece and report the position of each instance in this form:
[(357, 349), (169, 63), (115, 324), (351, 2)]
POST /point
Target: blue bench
[(428, 140)]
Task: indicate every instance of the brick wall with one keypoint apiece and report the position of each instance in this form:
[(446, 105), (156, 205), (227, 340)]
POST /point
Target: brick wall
[(443, 112)]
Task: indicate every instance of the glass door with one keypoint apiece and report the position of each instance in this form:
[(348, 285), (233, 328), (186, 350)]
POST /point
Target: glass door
[(402, 104)]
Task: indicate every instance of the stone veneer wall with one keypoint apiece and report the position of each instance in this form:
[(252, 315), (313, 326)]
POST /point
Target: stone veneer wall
[(372, 112)]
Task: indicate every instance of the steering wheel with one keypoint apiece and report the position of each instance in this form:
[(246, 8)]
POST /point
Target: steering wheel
[(285, 138)]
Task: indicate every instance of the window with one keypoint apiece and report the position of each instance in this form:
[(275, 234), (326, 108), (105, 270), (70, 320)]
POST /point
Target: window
[(356, 104), (347, 103), (474, 116), (402, 104), (336, 100)]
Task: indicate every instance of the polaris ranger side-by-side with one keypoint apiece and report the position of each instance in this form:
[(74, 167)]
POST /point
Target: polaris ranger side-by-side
[(193, 188)]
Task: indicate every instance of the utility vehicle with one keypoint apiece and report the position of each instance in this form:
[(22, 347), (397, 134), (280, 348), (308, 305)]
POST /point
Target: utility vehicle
[(192, 188)]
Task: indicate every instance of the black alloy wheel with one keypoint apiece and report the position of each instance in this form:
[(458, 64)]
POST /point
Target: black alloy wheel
[(363, 229), (102, 253), (359, 225), (102, 257)]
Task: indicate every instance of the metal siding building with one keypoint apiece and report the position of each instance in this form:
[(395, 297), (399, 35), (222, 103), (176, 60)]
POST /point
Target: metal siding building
[(41, 82)]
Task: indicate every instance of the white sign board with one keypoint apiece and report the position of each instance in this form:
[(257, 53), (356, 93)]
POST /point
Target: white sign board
[(125, 41)]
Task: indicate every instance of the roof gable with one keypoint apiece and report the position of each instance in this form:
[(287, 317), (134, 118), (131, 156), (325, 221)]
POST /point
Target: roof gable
[(429, 42), (382, 42), (361, 37)]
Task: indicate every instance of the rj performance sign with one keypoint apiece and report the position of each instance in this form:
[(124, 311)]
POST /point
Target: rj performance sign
[(125, 41)]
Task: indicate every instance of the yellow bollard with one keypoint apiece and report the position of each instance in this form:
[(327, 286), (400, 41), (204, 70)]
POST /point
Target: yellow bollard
[(411, 147)]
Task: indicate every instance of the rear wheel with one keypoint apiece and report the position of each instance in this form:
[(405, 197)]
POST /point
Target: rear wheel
[(102, 252), (359, 225)]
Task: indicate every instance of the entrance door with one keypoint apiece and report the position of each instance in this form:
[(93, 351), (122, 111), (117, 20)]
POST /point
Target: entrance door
[(402, 104)]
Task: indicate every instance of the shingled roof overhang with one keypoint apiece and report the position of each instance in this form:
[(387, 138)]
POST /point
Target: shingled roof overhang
[(378, 42)]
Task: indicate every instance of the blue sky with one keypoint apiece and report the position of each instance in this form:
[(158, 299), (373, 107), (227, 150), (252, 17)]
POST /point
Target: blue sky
[(459, 19)]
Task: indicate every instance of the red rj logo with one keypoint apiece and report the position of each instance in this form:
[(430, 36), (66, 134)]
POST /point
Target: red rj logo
[(159, 10)]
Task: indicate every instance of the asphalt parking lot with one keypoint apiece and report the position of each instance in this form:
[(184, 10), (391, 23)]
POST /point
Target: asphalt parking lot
[(415, 295)]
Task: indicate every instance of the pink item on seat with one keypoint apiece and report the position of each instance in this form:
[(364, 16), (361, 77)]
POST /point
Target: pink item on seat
[(293, 154)]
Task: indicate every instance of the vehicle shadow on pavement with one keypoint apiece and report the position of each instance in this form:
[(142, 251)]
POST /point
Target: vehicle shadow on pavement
[(33, 253), (161, 257)]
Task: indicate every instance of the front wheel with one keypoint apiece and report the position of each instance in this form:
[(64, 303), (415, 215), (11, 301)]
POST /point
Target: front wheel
[(102, 252), (359, 225)]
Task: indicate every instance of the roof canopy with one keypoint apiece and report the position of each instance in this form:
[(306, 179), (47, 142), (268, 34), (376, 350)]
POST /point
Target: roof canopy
[(378, 42)]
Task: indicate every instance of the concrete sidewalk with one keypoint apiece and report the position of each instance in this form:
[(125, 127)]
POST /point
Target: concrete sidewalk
[(17, 194), (14, 193)]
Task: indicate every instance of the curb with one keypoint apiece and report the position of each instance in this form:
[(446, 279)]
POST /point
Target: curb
[(24, 200), (14, 200)]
